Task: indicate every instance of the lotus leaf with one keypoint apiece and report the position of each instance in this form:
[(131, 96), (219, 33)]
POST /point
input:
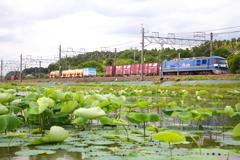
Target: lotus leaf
[(58, 96), (19, 135), (120, 122), (6, 97), (169, 136), (9, 122), (105, 120), (69, 107), (236, 131), (34, 152), (56, 134), (3, 109), (59, 117), (80, 121), (90, 113)]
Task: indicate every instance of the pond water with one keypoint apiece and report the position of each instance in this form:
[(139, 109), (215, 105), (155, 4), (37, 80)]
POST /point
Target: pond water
[(83, 144)]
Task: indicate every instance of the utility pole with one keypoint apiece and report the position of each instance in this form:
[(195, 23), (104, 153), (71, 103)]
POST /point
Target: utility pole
[(1, 70), (178, 65), (160, 61), (115, 54), (211, 48), (59, 64), (142, 60), (134, 55), (21, 68), (39, 69)]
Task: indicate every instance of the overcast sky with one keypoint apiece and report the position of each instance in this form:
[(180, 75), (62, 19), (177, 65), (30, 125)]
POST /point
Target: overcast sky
[(38, 27)]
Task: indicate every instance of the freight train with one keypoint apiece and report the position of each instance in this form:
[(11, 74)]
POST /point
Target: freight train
[(75, 73), (183, 66)]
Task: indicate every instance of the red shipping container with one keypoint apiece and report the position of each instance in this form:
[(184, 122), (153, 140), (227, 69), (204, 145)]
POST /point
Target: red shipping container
[(145, 68), (153, 68), (119, 70), (135, 68), (110, 70), (127, 69)]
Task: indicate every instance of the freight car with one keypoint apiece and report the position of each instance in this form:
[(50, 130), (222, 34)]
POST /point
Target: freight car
[(12, 77), (75, 73), (184, 66)]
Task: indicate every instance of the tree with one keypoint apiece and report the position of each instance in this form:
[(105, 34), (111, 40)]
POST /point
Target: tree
[(222, 52), (234, 66), (109, 62), (91, 64)]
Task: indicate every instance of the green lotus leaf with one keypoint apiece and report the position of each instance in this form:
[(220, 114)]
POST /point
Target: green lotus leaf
[(109, 136), (105, 120), (44, 103), (120, 122), (228, 110), (6, 98), (169, 136), (13, 109), (141, 117), (89, 113), (58, 95), (9, 122), (236, 131), (143, 104), (118, 102), (79, 97), (19, 135), (47, 112), (154, 117), (104, 104), (202, 92), (159, 106), (12, 91), (69, 107), (40, 90), (100, 97), (201, 114), (154, 128), (56, 134), (59, 117), (31, 97), (80, 121), (48, 92), (185, 116), (34, 152), (237, 107), (196, 157), (3, 109)]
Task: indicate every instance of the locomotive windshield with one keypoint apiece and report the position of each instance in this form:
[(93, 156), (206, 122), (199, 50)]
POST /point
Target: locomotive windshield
[(219, 61)]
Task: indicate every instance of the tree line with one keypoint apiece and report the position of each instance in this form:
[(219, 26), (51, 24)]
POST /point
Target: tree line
[(220, 48)]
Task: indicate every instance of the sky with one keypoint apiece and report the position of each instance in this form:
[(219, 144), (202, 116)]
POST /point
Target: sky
[(36, 28)]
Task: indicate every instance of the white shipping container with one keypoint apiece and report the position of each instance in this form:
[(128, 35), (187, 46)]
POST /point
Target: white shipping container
[(89, 72)]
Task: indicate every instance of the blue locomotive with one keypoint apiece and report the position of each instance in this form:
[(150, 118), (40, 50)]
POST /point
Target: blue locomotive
[(195, 65)]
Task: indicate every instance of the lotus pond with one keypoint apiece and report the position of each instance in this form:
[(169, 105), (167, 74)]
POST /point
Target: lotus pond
[(64, 124)]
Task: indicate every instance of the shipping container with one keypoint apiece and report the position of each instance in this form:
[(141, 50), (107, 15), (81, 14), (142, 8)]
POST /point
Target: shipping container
[(135, 69), (110, 71), (145, 68), (119, 70), (89, 72), (153, 68), (12, 77), (127, 69)]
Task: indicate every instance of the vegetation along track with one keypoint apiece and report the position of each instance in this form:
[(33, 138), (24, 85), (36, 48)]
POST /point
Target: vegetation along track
[(146, 78)]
